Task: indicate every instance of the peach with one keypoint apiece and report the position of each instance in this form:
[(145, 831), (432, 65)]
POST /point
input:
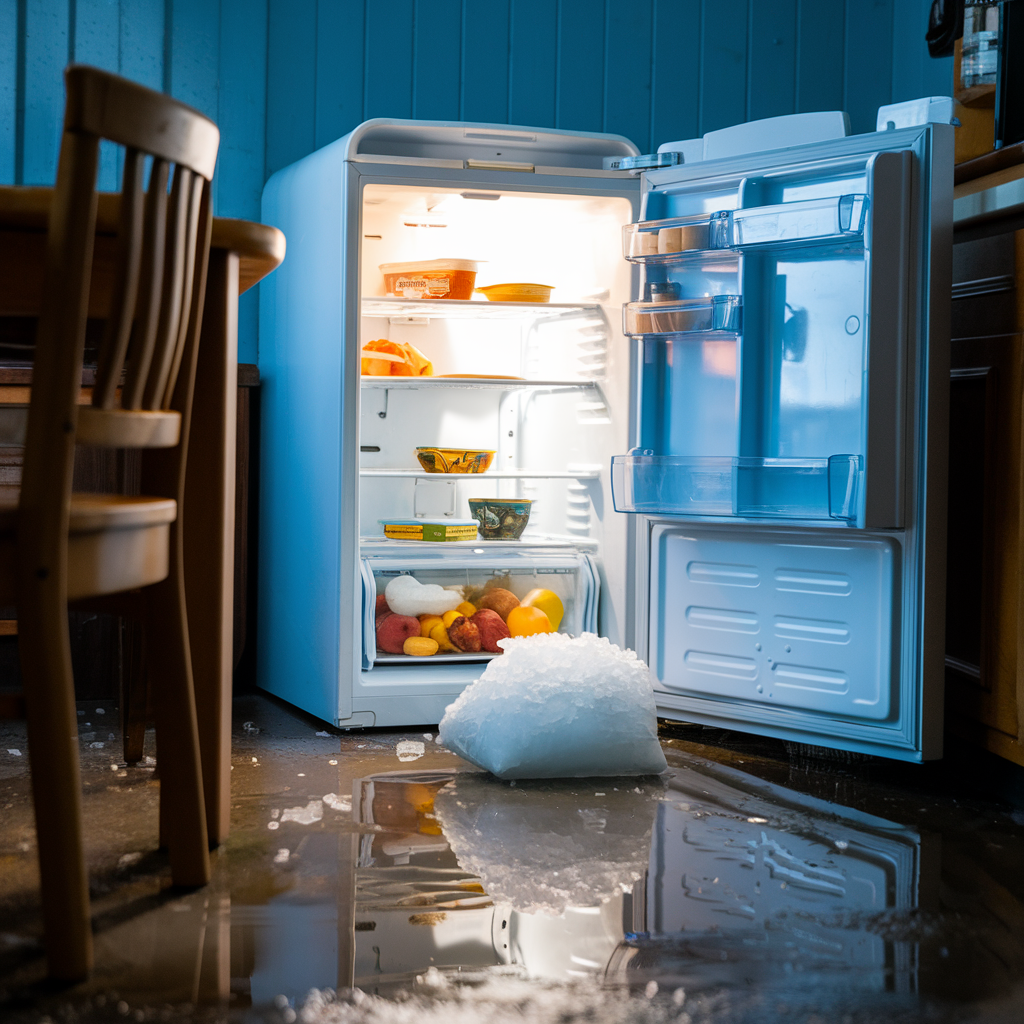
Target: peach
[(500, 600), (464, 634), (393, 630), (491, 628)]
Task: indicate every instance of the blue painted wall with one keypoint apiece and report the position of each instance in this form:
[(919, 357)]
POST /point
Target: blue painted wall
[(283, 77)]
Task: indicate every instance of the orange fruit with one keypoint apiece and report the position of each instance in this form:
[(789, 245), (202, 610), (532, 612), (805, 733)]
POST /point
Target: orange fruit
[(467, 609), (548, 602), (527, 621)]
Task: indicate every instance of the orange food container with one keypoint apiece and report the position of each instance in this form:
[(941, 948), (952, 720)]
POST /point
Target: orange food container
[(430, 279)]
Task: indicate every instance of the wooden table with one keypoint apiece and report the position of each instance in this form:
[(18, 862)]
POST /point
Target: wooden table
[(242, 253)]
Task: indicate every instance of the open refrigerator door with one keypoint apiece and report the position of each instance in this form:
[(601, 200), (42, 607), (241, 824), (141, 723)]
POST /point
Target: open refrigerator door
[(791, 465)]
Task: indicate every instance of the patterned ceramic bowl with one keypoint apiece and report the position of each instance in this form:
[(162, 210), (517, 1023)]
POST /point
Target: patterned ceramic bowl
[(455, 460), (501, 518)]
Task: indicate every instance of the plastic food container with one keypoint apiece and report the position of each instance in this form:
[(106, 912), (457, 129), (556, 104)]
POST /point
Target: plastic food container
[(430, 279), (430, 529), (682, 316), (518, 292)]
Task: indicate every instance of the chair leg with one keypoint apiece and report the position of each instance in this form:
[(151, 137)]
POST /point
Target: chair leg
[(134, 693), (56, 784), (182, 805)]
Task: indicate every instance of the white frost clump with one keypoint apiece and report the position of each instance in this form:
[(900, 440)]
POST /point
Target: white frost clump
[(312, 812), (558, 707), (407, 596)]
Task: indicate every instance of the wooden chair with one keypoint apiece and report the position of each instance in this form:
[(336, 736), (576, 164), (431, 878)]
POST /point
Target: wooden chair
[(56, 546)]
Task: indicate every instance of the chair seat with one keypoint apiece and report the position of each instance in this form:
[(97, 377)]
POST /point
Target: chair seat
[(115, 542)]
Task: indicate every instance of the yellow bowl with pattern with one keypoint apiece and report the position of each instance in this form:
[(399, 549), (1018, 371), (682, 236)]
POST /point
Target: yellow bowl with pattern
[(455, 460)]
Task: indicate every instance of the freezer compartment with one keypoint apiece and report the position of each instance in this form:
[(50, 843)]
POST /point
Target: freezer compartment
[(683, 316), (824, 488), (840, 218), (777, 620), (571, 575)]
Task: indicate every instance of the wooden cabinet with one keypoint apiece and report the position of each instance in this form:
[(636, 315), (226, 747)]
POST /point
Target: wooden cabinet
[(985, 582)]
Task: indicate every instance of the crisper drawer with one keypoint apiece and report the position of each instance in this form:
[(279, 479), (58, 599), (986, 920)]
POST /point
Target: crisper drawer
[(568, 573)]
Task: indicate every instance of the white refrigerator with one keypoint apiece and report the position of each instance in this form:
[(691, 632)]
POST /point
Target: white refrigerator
[(729, 417)]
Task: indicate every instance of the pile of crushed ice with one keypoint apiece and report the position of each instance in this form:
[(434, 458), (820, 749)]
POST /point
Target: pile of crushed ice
[(497, 1000), (543, 846), (556, 706)]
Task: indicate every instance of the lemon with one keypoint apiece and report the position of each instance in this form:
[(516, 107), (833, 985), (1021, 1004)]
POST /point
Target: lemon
[(548, 602)]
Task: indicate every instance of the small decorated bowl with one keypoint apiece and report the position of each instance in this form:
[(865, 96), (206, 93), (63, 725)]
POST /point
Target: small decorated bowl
[(455, 460), (501, 518)]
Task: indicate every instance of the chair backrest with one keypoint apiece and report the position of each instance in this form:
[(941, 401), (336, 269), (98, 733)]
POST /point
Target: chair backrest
[(152, 331)]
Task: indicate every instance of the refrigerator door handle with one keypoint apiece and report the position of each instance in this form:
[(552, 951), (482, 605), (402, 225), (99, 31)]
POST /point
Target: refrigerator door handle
[(890, 313)]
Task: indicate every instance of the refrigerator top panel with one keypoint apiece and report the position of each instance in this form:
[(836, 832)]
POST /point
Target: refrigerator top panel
[(483, 146)]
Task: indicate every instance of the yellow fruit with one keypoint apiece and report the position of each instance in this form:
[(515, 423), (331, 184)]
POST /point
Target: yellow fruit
[(467, 609), (449, 617), (440, 635), (428, 622), (526, 621), (548, 602), (420, 646)]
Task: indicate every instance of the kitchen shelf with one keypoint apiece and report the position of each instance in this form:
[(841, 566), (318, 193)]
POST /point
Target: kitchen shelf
[(545, 543), (746, 487), (473, 383), (471, 309), (712, 236), (408, 659), (498, 474)]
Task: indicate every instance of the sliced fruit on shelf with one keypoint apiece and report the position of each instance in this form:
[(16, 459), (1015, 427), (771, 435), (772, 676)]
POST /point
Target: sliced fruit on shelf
[(420, 646), (527, 621), (548, 602), (383, 358), (492, 629)]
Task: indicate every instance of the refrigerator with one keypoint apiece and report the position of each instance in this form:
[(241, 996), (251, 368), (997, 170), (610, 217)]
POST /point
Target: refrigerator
[(729, 417)]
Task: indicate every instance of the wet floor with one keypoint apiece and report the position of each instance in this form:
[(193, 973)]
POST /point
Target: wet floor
[(375, 877)]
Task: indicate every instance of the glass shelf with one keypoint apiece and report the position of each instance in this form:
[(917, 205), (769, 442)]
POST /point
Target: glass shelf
[(473, 383), (498, 474), (720, 313), (824, 488), (709, 236), (472, 309)]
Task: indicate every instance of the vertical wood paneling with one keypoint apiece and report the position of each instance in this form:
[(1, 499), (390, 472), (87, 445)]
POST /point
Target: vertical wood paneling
[(579, 103), (389, 59), (675, 101), (437, 76), (822, 55), (771, 85), (291, 81), (46, 54), (869, 58), (485, 44), (627, 70), (97, 41), (8, 89), (534, 63), (142, 41), (241, 115), (723, 56), (914, 73), (283, 77), (340, 48)]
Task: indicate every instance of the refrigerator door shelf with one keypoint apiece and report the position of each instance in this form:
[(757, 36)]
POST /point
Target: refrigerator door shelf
[(807, 221), (474, 384), (474, 309), (497, 474), (742, 487), (719, 313)]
